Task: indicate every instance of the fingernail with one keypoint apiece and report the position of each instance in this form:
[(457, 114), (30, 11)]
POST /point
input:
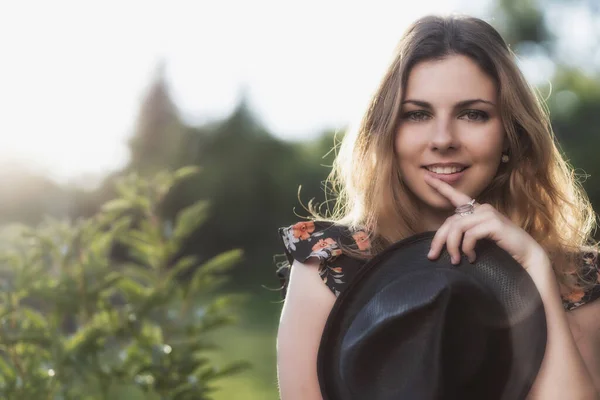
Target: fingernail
[(430, 253), (472, 259)]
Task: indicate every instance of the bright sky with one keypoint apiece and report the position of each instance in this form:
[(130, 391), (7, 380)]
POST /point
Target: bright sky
[(72, 73)]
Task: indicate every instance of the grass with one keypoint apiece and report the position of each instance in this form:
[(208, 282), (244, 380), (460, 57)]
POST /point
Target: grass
[(253, 340)]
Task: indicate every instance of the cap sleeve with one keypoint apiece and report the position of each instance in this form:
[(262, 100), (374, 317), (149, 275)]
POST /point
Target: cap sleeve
[(323, 241), (590, 273)]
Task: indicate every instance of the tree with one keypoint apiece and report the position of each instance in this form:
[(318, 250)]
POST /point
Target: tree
[(157, 137), (573, 90)]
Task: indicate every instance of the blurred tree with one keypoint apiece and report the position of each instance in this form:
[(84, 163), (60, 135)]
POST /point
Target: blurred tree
[(576, 120), (522, 21), (248, 175), (252, 179), (573, 91), (157, 137)]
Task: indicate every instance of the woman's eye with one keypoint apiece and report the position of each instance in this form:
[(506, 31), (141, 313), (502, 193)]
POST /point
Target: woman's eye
[(416, 116), (475, 115)]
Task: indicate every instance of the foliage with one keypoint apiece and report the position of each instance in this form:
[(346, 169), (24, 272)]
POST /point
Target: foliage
[(76, 325)]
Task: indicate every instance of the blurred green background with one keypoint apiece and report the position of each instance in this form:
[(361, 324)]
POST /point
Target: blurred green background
[(251, 174)]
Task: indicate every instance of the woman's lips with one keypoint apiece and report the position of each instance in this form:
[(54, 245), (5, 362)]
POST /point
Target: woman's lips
[(448, 178)]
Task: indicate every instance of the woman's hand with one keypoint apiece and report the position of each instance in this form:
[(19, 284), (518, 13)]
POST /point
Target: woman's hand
[(563, 373), (485, 222)]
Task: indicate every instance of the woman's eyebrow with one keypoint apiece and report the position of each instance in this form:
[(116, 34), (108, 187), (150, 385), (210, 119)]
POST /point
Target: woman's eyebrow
[(467, 103), (460, 104)]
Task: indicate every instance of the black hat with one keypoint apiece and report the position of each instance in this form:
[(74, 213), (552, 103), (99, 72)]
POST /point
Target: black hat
[(408, 327)]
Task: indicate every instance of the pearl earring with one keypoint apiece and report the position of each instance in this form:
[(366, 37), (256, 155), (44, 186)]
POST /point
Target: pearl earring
[(505, 158)]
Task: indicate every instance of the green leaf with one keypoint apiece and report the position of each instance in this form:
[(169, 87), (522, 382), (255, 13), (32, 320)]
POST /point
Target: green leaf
[(117, 205), (143, 252), (186, 172), (219, 264), (7, 371), (42, 340), (184, 264), (34, 316), (189, 219), (222, 262), (108, 281), (86, 339), (134, 291), (140, 274)]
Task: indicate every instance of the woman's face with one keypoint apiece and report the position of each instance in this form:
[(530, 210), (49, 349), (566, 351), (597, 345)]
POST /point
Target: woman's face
[(449, 116)]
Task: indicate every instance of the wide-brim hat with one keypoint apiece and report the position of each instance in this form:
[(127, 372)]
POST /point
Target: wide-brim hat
[(407, 327)]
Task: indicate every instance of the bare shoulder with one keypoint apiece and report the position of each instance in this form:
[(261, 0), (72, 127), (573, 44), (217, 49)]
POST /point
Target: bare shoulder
[(306, 308), (308, 300), (586, 318), (585, 326)]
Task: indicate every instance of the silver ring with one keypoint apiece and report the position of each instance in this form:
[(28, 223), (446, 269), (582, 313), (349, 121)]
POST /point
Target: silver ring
[(465, 209)]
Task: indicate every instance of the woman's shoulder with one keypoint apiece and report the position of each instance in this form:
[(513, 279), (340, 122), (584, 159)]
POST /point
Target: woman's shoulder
[(588, 280), (327, 242)]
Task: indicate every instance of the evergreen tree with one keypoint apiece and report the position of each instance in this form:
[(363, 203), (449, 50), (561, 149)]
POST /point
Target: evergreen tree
[(157, 136)]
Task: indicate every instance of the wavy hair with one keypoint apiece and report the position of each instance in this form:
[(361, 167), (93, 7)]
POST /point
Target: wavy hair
[(537, 189)]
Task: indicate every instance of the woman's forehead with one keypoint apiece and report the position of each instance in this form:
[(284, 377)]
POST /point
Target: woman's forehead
[(450, 80)]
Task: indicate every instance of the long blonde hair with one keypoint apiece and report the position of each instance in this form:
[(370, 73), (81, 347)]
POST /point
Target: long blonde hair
[(537, 189)]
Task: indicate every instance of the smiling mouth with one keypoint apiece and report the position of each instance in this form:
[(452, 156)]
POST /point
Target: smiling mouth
[(445, 170)]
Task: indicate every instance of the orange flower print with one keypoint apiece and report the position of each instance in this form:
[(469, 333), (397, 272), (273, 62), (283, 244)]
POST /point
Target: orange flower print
[(362, 240), (326, 249), (302, 230), (575, 296), (324, 243)]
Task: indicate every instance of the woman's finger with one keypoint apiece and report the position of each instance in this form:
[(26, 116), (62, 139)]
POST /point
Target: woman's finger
[(471, 236), (453, 240), (456, 233), (456, 197), (439, 239), (470, 239)]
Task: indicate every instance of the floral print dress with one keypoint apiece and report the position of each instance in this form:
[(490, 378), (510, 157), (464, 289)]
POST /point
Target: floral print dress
[(325, 240)]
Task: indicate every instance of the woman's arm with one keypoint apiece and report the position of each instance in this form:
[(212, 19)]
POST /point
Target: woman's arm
[(563, 374), (305, 311), (585, 326)]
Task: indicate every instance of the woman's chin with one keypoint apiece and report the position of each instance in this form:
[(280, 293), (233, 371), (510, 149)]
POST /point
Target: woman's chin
[(439, 203)]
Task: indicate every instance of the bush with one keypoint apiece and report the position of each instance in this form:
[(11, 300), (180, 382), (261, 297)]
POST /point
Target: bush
[(76, 324)]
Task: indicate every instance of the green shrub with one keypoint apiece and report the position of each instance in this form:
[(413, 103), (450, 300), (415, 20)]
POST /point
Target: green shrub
[(76, 324)]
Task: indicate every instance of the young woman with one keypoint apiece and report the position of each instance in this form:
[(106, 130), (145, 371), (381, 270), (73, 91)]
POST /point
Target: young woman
[(452, 124)]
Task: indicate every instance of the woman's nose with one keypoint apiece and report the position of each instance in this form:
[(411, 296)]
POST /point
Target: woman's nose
[(442, 135)]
